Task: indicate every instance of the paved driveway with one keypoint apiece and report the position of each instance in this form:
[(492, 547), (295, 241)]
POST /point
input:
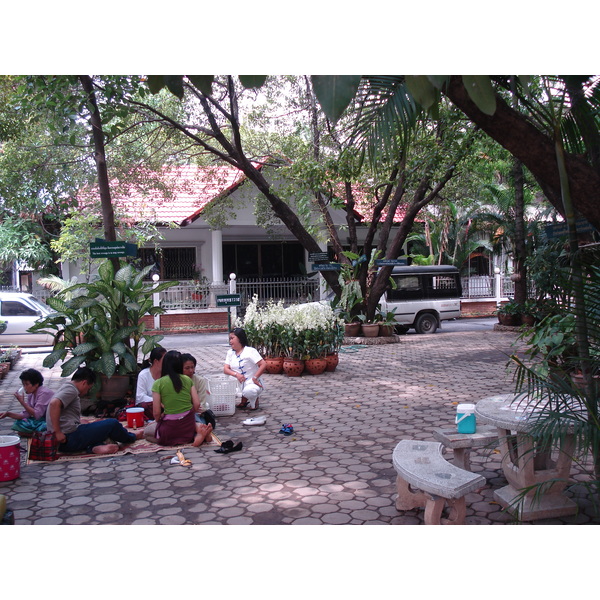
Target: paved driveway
[(335, 469)]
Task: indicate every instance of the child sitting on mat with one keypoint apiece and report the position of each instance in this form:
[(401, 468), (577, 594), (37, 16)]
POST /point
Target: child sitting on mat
[(34, 401)]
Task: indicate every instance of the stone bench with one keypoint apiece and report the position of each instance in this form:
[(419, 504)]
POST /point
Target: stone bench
[(434, 480), (463, 443)]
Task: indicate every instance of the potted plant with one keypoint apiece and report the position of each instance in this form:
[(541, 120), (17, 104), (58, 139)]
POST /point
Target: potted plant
[(387, 323), (3, 325), (102, 325), (510, 313), (369, 328), (529, 311)]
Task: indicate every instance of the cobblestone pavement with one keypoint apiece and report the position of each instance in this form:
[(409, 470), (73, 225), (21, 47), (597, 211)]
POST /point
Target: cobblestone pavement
[(336, 469)]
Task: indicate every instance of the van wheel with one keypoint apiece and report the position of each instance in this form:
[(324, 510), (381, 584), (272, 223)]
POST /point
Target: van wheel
[(426, 323)]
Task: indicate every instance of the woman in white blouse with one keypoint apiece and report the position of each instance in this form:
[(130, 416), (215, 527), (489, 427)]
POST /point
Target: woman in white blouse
[(146, 379), (246, 365)]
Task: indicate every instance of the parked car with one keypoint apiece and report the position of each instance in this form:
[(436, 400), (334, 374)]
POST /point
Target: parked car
[(20, 311), (424, 297)]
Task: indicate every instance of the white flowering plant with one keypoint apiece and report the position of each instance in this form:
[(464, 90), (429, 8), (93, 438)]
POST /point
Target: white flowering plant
[(300, 331)]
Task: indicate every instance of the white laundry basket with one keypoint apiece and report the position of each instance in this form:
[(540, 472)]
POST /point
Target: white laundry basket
[(221, 397)]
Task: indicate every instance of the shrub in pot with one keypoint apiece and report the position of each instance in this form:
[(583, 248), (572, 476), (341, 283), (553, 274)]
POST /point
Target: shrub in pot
[(101, 325)]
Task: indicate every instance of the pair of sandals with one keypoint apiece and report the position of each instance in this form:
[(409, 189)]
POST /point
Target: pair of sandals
[(246, 406), (228, 446), (286, 429)]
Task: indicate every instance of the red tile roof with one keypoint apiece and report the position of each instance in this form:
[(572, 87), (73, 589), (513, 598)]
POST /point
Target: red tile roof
[(188, 190)]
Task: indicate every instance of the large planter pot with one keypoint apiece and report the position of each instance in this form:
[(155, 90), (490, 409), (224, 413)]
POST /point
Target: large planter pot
[(113, 388), (528, 320), (351, 329), (274, 364), (386, 330), (293, 367), (370, 330), (4, 369), (332, 361), (510, 320), (315, 366)]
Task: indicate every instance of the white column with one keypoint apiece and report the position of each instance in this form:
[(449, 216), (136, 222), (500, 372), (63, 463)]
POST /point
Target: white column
[(216, 238), (498, 286)]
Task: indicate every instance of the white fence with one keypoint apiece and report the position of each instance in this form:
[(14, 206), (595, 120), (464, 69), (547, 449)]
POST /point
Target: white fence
[(188, 296), (482, 286)]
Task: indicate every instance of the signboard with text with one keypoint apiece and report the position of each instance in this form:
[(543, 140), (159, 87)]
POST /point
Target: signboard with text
[(390, 262), (229, 300), (104, 249), (327, 267)]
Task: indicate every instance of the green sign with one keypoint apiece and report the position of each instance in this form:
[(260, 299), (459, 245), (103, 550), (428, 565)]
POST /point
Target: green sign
[(103, 249), (229, 300), (327, 267)]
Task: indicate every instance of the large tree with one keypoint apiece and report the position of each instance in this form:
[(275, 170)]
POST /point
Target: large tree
[(423, 157)]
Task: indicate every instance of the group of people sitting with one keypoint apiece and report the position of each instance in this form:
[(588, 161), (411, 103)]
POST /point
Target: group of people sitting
[(173, 397)]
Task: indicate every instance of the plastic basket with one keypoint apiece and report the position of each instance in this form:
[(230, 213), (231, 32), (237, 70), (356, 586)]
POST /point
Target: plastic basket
[(221, 397)]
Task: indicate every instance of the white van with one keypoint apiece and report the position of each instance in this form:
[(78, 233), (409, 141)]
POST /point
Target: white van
[(424, 297), (20, 311)]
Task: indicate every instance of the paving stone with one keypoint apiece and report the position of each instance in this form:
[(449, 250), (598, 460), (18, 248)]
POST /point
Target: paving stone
[(335, 470)]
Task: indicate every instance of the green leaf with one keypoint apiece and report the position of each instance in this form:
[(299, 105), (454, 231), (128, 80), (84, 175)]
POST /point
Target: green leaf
[(335, 92), (156, 83), (253, 81), (202, 82), (107, 364), (175, 85), (422, 90), (438, 80), (480, 90)]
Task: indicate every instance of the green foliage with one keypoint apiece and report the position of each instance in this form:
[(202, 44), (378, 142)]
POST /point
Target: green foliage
[(102, 327)]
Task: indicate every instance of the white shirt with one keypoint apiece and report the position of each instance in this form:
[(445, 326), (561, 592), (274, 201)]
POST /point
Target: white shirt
[(145, 381), (246, 362)]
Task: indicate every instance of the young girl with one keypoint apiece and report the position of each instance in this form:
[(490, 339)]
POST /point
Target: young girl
[(174, 393), (189, 368)]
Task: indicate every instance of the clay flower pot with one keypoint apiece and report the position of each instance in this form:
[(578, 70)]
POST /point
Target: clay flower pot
[(370, 329), (315, 366), (351, 329), (293, 367), (332, 361), (274, 364), (386, 330)]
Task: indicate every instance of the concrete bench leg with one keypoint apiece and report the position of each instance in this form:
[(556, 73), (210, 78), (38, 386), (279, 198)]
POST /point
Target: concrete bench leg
[(435, 506), (462, 458), (408, 498)]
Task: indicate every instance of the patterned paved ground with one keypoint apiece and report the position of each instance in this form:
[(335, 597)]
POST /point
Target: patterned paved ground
[(335, 469)]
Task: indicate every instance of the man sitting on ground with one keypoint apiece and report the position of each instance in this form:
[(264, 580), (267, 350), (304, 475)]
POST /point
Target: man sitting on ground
[(63, 417)]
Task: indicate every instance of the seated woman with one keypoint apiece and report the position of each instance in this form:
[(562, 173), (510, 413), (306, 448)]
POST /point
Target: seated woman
[(174, 393), (146, 379), (246, 365), (33, 417), (205, 415)]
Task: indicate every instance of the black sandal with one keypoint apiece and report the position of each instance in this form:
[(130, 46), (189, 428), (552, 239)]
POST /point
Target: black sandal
[(227, 447)]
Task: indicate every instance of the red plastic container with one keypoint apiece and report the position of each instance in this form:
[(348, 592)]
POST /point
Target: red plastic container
[(135, 417)]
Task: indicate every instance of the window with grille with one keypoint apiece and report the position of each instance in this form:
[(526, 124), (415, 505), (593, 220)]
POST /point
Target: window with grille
[(172, 263)]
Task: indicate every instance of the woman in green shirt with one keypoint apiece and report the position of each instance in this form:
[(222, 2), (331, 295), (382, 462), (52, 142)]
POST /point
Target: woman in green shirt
[(175, 403)]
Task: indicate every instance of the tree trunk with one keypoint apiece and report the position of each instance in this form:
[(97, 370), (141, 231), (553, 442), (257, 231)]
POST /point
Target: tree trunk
[(535, 150), (108, 216)]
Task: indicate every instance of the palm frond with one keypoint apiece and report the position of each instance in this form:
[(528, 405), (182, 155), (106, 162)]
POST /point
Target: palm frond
[(383, 117)]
